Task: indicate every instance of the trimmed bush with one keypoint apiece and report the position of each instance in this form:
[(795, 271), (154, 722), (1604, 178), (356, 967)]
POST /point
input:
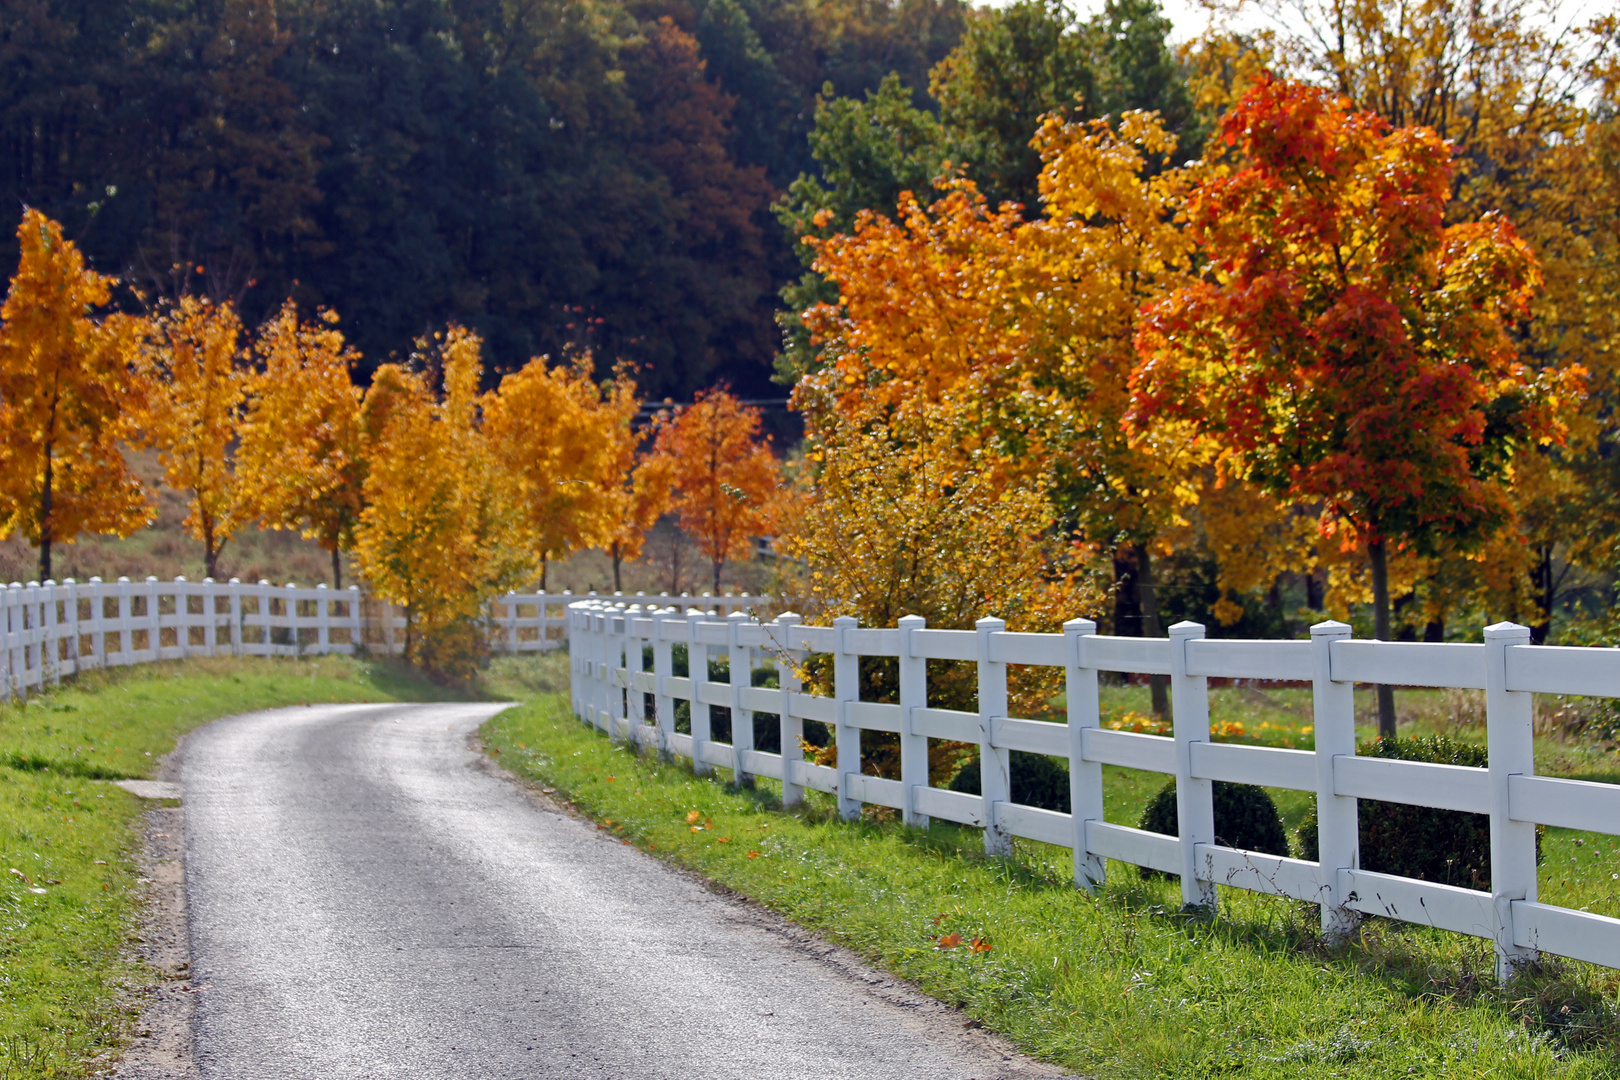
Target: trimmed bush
[(1245, 817), (1037, 781), (1448, 847)]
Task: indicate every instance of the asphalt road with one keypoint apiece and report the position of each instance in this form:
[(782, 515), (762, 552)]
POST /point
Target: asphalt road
[(369, 899)]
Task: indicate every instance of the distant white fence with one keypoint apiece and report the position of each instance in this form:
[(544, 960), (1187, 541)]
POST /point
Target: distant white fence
[(610, 687), (56, 629)]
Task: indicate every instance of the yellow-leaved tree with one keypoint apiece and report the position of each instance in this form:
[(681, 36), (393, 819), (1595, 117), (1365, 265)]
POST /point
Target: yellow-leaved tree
[(568, 445), (722, 476), (643, 497), (440, 533), (193, 359), (69, 386), (302, 460)]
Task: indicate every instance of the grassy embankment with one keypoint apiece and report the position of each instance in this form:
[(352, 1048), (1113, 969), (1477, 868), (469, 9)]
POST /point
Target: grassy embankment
[(68, 891), (1120, 985)]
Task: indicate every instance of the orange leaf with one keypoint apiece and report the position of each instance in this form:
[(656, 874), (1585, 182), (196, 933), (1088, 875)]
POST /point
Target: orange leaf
[(753, 854), (693, 818), (947, 941), (979, 944)]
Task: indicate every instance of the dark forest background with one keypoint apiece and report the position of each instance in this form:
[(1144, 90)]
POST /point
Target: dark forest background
[(620, 175)]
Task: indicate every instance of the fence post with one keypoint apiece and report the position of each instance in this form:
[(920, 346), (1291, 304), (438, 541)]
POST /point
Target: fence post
[(1195, 807), (846, 688), (635, 698), (50, 650), (357, 629), (5, 644), (210, 617), (740, 661), (154, 615), (787, 680), (236, 616), (182, 608), (1338, 838), (616, 638), (126, 632), (697, 670), (913, 696), (995, 768), (664, 623), (98, 632), (1085, 777), (1510, 742), (323, 617)]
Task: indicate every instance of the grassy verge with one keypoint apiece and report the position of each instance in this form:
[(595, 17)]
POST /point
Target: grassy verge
[(68, 892), (1119, 985)]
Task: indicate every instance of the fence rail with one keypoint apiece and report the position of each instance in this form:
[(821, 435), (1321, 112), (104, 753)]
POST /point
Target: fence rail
[(611, 689), (55, 629)]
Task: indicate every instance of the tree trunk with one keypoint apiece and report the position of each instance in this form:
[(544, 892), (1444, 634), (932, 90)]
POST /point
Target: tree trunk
[(45, 520), (337, 569), (618, 559), (1377, 556), (1541, 579), (1147, 598), (543, 562), (718, 563)]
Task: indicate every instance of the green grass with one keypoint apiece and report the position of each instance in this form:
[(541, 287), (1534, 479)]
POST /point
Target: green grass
[(65, 827), (1120, 985)]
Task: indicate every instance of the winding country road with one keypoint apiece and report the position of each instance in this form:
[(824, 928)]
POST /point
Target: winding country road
[(369, 899)]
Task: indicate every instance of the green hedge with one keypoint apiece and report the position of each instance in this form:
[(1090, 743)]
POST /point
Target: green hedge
[(1245, 817)]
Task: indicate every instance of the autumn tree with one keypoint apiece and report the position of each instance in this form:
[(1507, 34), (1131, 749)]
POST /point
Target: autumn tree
[(643, 497), (1348, 349), (193, 359), (440, 534), (302, 461), (570, 446), (723, 476), (68, 388)]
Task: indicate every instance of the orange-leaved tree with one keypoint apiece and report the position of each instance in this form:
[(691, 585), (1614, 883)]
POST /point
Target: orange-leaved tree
[(302, 460), (643, 497), (1347, 348), (722, 475), (440, 533), (69, 387), (569, 446), (193, 359)]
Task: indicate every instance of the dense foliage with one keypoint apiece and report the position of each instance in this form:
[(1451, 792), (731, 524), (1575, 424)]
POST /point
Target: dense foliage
[(1245, 818)]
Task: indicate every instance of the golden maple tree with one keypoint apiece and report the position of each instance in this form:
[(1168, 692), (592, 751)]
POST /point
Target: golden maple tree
[(440, 534), (302, 459), (569, 444), (69, 386), (722, 475), (193, 359)]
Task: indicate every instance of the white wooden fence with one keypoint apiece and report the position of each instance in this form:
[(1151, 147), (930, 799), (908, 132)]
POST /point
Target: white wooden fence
[(56, 629), (610, 684)]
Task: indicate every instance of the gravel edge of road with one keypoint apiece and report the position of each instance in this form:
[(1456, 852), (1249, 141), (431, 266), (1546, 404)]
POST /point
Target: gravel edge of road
[(158, 1042), (882, 986)]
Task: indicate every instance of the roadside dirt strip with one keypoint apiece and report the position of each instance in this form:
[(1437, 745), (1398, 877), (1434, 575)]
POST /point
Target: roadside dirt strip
[(368, 898)]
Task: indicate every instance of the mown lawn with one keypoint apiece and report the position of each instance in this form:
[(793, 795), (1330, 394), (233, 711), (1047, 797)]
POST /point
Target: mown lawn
[(68, 891), (1120, 984)]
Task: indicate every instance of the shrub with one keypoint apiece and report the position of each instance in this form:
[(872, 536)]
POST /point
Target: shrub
[(1448, 847), (1245, 817), (1037, 780)]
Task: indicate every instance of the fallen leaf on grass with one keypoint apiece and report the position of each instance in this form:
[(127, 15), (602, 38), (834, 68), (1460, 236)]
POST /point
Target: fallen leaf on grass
[(753, 854), (694, 817), (610, 778), (722, 839), (979, 944), (947, 941), (937, 919)]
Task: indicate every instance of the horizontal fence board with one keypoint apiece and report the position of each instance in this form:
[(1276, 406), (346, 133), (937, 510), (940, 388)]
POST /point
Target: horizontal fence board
[(711, 633), (760, 763), (946, 805), (1263, 765), (680, 743), (718, 753), (1414, 783), (1270, 660), (1143, 656), (819, 777), (1012, 647), (762, 699), (646, 682), (874, 716), (1569, 804), (1152, 850), (814, 707), (677, 686), (945, 724), (1564, 669), (1031, 736), (819, 639), (875, 790), (945, 644), (1034, 823), (872, 642), (714, 693), (1259, 872), (1155, 753), (1444, 906), (1578, 934), (1408, 663)]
